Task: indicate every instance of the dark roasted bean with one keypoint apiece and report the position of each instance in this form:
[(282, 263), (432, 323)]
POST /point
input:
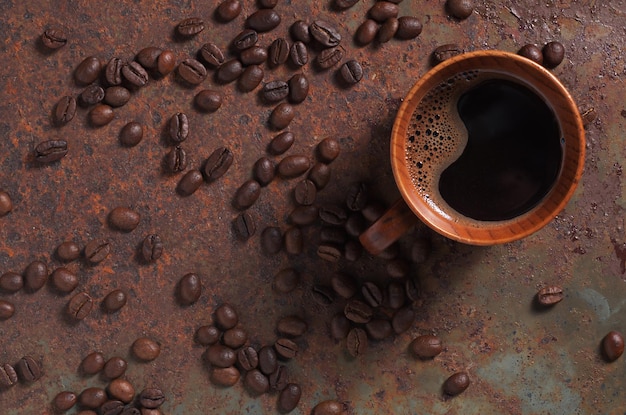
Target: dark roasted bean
[(114, 301), (179, 127), (278, 52), (145, 349), (97, 250), (356, 342), (124, 219), (397, 268), (267, 4), (281, 116), (267, 360), (151, 398), (100, 115), (113, 71), (532, 52), (229, 71), (35, 276), (353, 250), (329, 407), (351, 72), (298, 88), (208, 100), (255, 55), (329, 252), (54, 38), (116, 96), (395, 295), (217, 164), (355, 225), (250, 78), (149, 57), (50, 151), (247, 194), (189, 289), (63, 280), (121, 389), (63, 401), (11, 282), (166, 62), (245, 225), (445, 52), (291, 326), (381, 11), (333, 214), (299, 54), (344, 285), (275, 91), (235, 337), (305, 192), (88, 70), (461, 9), (293, 241), (92, 95), (320, 175), (330, 57), (257, 382), (378, 329), (322, 294), (403, 319), (426, 346), (190, 27), (285, 348), (286, 280), (228, 10), (372, 294), (345, 4), (92, 397), (409, 27), (356, 197), (339, 326), (553, 54), (456, 384), (281, 143), (248, 358), (245, 39), (207, 335), (212, 55), (271, 240), (6, 205), (80, 306), (263, 20), (366, 32), (303, 215), (192, 71), (131, 134), (112, 407), (299, 31), (65, 110), (293, 166), (176, 159), (388, 30), (550, 295), (326, 34), (8, 376), (289, 398), (613, 345), (220, 356), (226, 317), (135, 74), (227, 376), (114, 367), (190, 183), (7, 310), (358, 312), (278, 379), (264, 171), (412, 290), (92, 363)]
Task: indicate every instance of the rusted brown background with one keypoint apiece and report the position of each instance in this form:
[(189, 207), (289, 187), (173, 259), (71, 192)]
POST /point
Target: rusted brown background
[(479, 300)]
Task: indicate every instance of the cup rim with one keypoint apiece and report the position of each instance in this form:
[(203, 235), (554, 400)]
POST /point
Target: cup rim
[(496, 232)]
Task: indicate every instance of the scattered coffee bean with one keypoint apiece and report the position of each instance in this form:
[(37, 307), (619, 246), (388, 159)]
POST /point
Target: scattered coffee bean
[(63, 401), (245, 225), (63, 280), (189, 289), (227, 376), (121, 389), (208, 100), (179, 127), (291, 326), (146, 349), (151, 248), (366, 32), (101, 115), (190, 183), (212, 55), (305, 192), (192, 71), (333, 214), (344, 285), (281, 143), (248, 358), (461, 9), (322, 294), (6, 205), (124, 219), (339, 326), (293, 166), (114, 367), (229, 71), (397, 268), (355, 225), (456, 384), (8, 376), (116, 96), (293, 241), (190, 27), (247, 194), (226, 317), (245, 39), (217, 164), (372, 294), (151, 398), (148, 57), (303, 215), (250, 78), (92, 397), (255, 55), (550, 295), (298, 88), (176, 159), (267, 360), (374, 210), (553, 54), (445, 52), (351, 72), (409, 27), (403, 319), (228, 10), (329, 252), (54, 38), (166, 62), (235, 338), (135, 74), (91, 95), (80, 306), (299, 31), (426, 346), (356, 197), (531, 52), (207, 335), (330, 57), (352, 251), (264, 171), (92, 363), (378, 329), (220, 355), (11, 282), (328, 149), (412, 290), (396, 296), (289, 398), (111, 407), (381, 11), (325, 33), (613, 345), (275, 91), (358, 312), (7, 309), (356, 342), (50, 151), (388, 30), (271, 240), (281, 116), (344, 4), (35, 276), (278, 52), (286, 280), (114, 301), (113, 71), (131, 134), (28, 370), (285, 348), (319, 175), (587, 114), (267, 4), (88, 70), (278, 379), (329, 407), (257, 382), (263, 20), (299, 54)]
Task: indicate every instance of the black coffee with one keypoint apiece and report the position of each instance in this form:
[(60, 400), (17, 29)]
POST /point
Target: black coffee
[(485, 146)]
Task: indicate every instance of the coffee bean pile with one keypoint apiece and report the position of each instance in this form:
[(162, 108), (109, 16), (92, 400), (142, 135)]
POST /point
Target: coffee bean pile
[(26, 370)]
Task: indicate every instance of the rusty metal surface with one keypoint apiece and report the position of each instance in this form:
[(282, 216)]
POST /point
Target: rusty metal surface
[(479, 300)]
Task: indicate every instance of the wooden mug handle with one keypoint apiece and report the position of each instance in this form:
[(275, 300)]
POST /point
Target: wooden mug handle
[(394, 223)]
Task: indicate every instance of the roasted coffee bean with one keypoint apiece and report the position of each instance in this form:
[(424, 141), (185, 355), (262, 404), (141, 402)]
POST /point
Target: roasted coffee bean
[(245, 225), (355, 225), (339, 326), (92, 363), (345, 4), (456, 384), (8, 376), (299, 31), (228, 10), (217, 164), (372, 294), (325, 33), (298, 88), (329, 252), (397, 268), (352, 251), (333, 214), (113, 407), (330, 57), (149, 57), (271, 240), (145, 349), (378, 329), (344, 285), (50, 151), (116, 96), (124, 219), (275, 91), (131, 134), (247, 194), (553, 54), (409, 27), (366, 32), (396, 296), (80, 306), (6, 205), (278, 52), (248, 358), (356, 197), (114, 301), (254, 55), (207, 335), (226, 317), (299, 54), (291, 326), (264, 171), (114, 367), (445, 52), (250, 78), (613, 345), (281, 116), (63, 280), (426, 346), (356, 342), (328, 149), (278, 379), (358, 312), (412, 290), (208, 100), (227, 376), (381, 11), (166, 62), (151, 248), (286, 280), (293, 166), (267, 360), (334, 235), (88, 71), (388, 30), (403, 319), (101, 115), (267, 4), (235, 337), (263, 20), (113, 71), (461, 9), (305, 192), (11, 282), (190, 27), (229, 71), (176, 159), (245, 39), (289, 398), (219, 355), (179, 127), (322, 294), (303, 215), (135, 74), (256, 382), (54, 38), (285, 348), (35, 276), (212, 55), (91, 95), (550, 295), (7, 310), (151, 398), (192, 71), (92, 397), (190, 183), (531, 52), (129, 410), (121, 389), (281, 143), (319, 175), (64, 401), (28, 370), (351, 72), (189, 289)]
